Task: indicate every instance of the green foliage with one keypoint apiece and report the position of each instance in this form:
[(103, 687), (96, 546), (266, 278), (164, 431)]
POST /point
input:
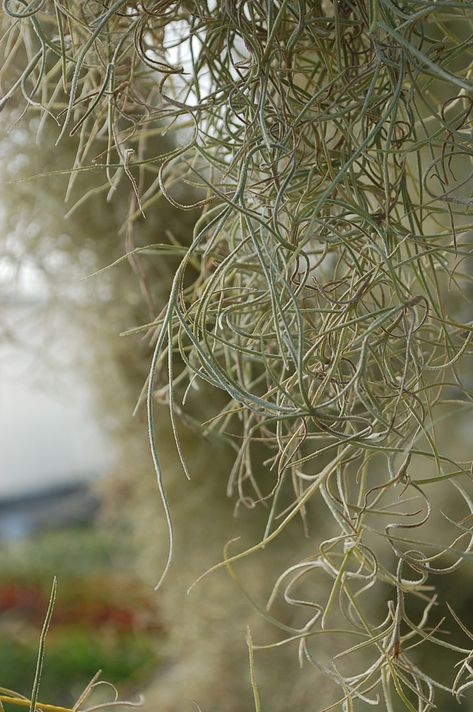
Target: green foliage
[(318, 324), (103, 618), (73, 657), (89, 551)]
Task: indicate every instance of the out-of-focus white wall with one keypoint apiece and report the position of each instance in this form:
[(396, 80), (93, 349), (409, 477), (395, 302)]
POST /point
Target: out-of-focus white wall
[(48, 434)]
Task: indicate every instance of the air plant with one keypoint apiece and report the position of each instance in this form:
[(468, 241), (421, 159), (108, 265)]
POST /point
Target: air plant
[(323, 302)]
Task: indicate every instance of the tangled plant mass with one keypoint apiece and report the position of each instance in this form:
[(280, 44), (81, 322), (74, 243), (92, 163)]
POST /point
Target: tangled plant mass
[(326, 290)]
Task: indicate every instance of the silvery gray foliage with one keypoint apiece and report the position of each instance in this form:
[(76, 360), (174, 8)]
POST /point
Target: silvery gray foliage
[(326, 288)]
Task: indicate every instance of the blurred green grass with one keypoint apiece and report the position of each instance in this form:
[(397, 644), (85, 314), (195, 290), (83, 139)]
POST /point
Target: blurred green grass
[(104, 619), (73, 656)]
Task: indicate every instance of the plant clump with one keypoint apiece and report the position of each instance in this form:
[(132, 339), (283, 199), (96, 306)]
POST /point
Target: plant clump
[(323, 302)]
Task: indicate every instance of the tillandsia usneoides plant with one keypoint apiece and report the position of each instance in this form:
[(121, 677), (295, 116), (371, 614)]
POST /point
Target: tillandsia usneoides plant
[(326, 291)]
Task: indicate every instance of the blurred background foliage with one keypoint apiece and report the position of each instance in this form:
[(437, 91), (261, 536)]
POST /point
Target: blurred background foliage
[(104, 619)]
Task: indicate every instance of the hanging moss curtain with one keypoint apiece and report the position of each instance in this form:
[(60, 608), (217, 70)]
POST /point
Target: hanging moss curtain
[(324, 301)]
